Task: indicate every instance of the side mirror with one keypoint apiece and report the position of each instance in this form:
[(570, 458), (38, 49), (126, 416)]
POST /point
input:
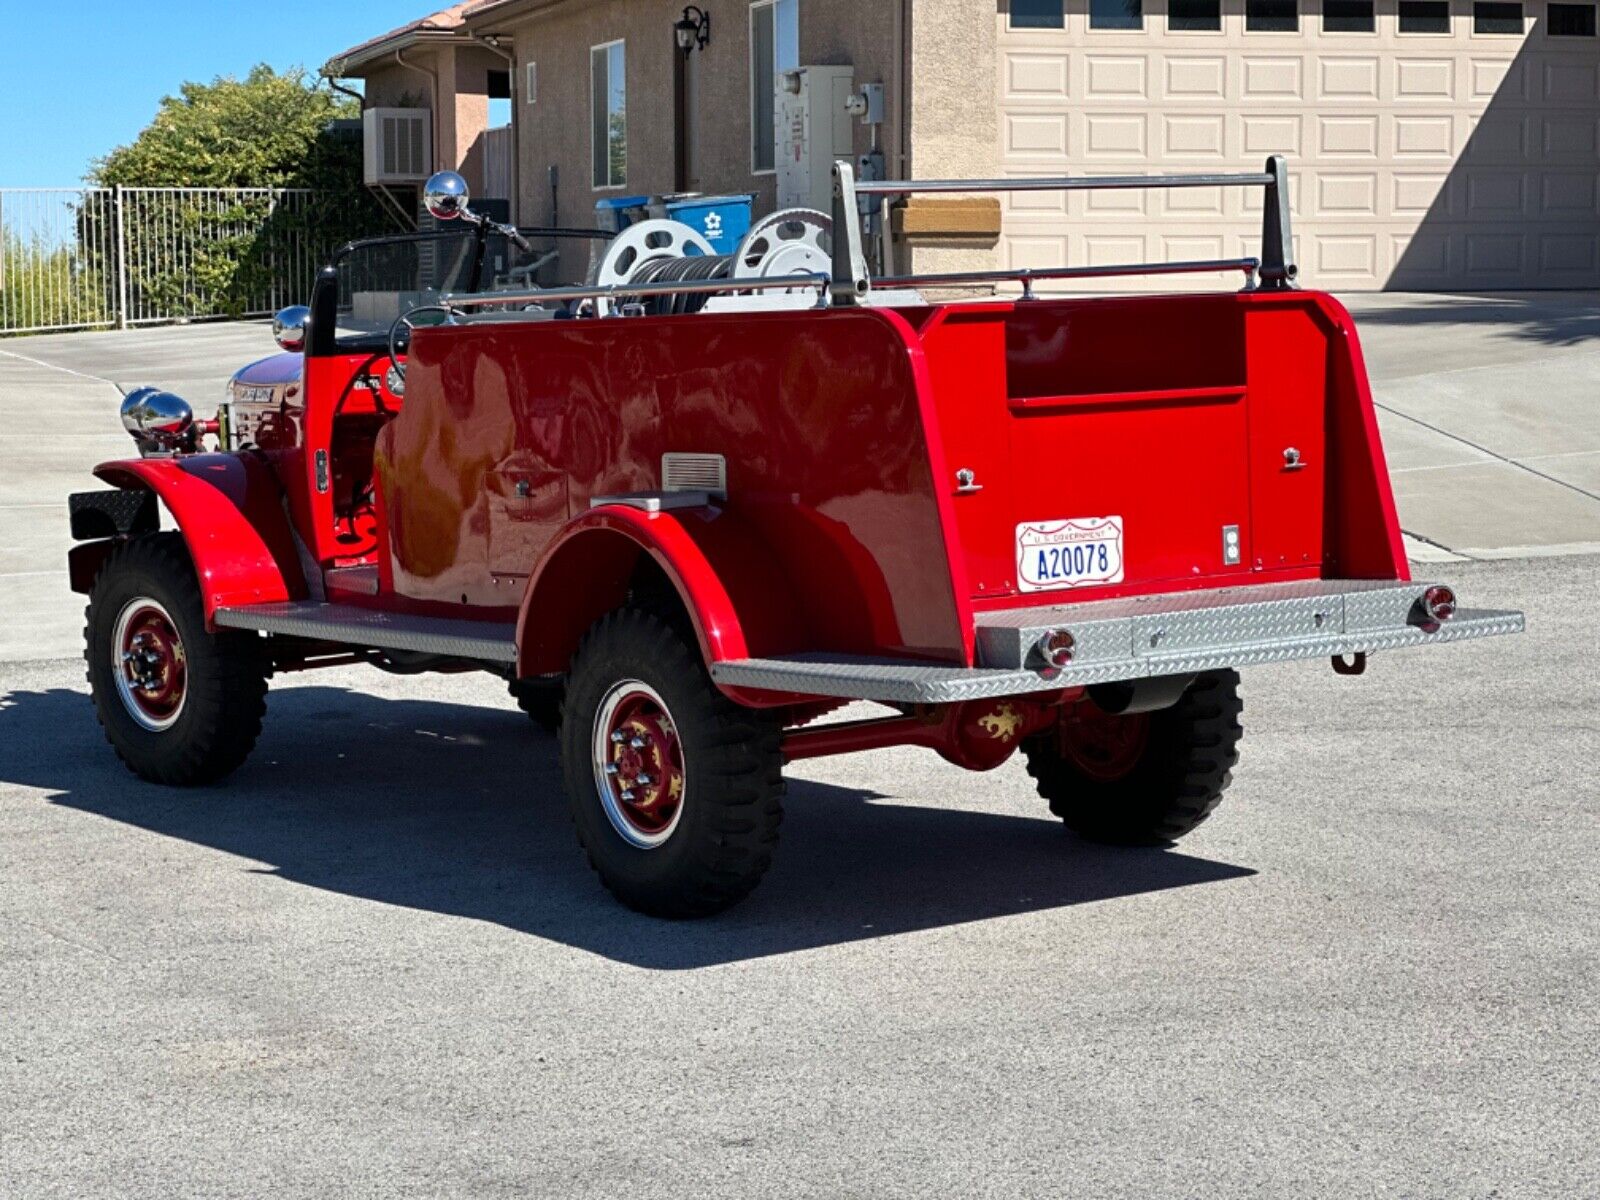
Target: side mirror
[(290, 327), (445, 196), (157, 419)]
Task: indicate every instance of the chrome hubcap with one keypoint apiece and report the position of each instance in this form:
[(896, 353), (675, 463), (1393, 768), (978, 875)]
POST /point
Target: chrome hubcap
[(149, 664), (638, 764)]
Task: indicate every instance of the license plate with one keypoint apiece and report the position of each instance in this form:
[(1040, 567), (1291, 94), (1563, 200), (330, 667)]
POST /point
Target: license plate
[(1065, 554)]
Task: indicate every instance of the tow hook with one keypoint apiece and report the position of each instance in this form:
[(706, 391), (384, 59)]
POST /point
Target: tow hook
[(1352, 664)]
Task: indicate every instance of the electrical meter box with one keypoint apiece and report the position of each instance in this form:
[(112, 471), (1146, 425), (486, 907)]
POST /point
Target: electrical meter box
[(815, 130)]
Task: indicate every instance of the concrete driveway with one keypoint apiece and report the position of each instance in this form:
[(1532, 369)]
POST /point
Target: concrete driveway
[(1490, 410)]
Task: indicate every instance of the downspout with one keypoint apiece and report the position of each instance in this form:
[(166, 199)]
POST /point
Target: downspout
[(433, 97), (332, 82), (492, 44)]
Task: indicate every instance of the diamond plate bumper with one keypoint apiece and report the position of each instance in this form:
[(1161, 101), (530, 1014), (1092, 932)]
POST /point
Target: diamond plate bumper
[(1137, 638)]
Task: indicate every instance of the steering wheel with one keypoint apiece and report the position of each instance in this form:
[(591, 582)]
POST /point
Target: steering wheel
[(405, 321)]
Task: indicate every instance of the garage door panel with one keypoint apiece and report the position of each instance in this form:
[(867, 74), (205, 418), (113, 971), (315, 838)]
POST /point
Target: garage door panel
[(1035, 134), (1279, 77), (1348, 78), (1571, 82), (1447, 161), (1571, 255), (1569, 137), (1276, 134), (1036, 78), (1190, 77), (1575, 192), (1200, 138), (1424, 80), (1116, 77), (1348, 136)]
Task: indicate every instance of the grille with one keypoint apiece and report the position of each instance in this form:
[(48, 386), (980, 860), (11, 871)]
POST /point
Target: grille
[(694, 473)]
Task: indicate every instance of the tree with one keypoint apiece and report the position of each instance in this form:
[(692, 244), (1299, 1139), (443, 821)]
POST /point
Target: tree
[(269, 130), (266, 130)]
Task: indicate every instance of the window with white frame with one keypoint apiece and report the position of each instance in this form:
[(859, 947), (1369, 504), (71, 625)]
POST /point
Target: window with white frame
[(774, 49), (608, 114)]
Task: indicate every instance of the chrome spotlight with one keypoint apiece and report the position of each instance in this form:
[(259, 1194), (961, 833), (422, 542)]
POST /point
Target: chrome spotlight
[(158, 420), (291, 327), (445, 196)]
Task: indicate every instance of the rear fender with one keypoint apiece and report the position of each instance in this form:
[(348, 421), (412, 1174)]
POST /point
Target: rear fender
[(229, 509), (735, 594)]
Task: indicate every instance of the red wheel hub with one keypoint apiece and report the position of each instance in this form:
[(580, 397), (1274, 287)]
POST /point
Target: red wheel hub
[(152, 669), (1103, 746), (639, 764)]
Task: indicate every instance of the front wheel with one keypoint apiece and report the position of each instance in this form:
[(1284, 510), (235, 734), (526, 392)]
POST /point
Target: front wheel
[(179, 705), (1141, 778), (675, 790)]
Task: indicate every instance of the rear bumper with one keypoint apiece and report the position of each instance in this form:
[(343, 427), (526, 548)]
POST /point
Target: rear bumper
[(1137, 638)]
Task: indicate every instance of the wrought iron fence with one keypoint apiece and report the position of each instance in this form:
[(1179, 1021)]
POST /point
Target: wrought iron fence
[(81, 258)]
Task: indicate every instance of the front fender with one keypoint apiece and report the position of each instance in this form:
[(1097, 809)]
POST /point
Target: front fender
[(229, 509), (734, 592)]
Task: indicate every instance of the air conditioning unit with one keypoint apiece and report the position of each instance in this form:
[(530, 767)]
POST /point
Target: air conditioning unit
[(397, 145)]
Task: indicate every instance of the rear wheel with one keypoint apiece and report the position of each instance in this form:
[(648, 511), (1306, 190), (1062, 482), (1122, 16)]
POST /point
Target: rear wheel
[(1141, 778), (179, 705), (675, 790)]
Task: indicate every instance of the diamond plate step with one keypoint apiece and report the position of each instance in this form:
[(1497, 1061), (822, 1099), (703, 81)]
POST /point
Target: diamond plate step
[(354, 625)]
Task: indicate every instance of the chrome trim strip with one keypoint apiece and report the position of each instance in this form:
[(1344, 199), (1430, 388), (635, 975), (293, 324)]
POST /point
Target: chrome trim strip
[(354, 625)]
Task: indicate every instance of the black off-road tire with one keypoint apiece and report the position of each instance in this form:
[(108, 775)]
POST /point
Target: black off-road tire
[(541, 700), (1186, 765), (732, 766), (225, 694)]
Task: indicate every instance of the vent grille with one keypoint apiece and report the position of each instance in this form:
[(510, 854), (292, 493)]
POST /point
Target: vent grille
[(694, 473), (398, 145)]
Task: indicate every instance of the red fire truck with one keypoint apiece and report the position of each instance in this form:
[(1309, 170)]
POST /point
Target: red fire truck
[(693, 506)]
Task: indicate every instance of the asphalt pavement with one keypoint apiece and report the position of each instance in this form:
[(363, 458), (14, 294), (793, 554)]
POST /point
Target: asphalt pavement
[(375, 962)]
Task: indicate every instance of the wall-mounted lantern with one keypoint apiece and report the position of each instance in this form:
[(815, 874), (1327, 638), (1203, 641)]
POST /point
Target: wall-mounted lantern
[(693, 30)]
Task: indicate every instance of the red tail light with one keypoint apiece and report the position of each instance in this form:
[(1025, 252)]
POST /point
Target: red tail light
[(1439, 603), (1058, 647)]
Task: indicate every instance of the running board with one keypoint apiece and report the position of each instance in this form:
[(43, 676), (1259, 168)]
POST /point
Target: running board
[(353, 625)]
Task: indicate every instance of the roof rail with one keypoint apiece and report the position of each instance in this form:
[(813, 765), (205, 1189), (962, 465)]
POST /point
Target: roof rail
[(851, 282)]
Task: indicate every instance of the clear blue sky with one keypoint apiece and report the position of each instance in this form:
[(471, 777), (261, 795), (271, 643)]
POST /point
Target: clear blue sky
[(83, 76)]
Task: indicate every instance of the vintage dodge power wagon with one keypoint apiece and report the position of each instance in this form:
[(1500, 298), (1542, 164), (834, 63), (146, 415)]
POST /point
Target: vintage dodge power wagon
[(690, 508)]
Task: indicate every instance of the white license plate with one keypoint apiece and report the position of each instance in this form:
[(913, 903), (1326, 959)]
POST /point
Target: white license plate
[(1067, 554)]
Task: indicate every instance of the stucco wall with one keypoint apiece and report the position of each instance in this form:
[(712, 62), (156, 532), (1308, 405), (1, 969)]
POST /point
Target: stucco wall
[(556, 129), (462, 113)]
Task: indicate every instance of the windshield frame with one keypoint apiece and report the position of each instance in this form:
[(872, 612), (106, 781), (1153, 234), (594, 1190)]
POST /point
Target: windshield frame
[(326, 339)]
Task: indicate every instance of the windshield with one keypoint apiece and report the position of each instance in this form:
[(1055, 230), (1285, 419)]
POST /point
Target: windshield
[(381, 279)]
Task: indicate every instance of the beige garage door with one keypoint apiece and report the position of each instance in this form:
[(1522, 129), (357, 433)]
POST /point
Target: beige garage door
[(1460, 153)]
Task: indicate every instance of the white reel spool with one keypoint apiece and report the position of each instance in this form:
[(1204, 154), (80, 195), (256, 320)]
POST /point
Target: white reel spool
[(642, 243), (795, 241)]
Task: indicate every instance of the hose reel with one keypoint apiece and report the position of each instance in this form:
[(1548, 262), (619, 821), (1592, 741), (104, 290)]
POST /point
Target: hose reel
[(796, 241)]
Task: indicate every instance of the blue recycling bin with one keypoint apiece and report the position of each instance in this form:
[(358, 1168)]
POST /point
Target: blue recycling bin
[(616, 213), (721, 220)]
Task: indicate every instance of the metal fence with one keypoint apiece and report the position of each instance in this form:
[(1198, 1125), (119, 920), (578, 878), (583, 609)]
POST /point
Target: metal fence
[(82, 258)]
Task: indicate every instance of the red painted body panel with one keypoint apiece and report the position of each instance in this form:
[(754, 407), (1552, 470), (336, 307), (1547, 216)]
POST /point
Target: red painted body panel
[(229, 508), (819, 415), (843, 431)]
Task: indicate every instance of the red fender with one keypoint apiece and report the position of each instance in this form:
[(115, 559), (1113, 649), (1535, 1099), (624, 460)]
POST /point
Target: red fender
[(734, 592), (229, 509)]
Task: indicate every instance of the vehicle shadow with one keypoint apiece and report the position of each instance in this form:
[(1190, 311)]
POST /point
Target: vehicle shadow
[(458, 809)]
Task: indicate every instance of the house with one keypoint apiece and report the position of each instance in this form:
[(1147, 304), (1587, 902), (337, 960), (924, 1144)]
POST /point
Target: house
[(1433, 144)]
